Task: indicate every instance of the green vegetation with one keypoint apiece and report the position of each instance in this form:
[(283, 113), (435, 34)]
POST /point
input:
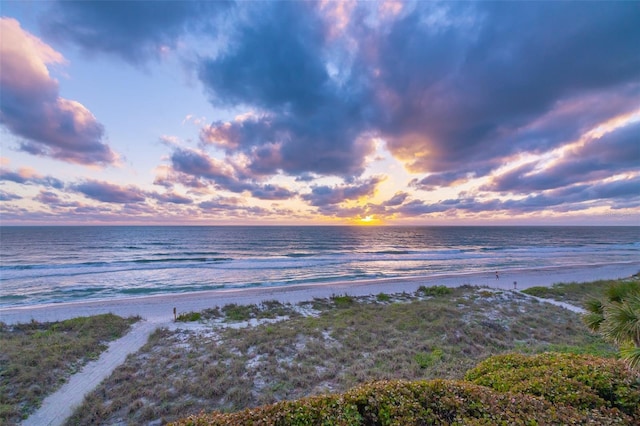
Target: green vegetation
[(189, 317), (545, 389), (617, 318), (269, 309), (574, 293), (343, 301), (347, 341), (581, 381), (37, 358), (436, 290), (383, 297)]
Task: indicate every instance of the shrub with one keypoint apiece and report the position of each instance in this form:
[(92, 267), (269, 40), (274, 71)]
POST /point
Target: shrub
[(189, 316), (343, 301), (235, 312), (383, 297), (436, 290), (412, 403), (582, 381)]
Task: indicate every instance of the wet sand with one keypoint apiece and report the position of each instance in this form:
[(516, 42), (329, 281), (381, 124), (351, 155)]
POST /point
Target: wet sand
[(159, 308)]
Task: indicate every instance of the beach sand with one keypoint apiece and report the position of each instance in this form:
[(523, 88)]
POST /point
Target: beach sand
[(157, 311), (159, 308)]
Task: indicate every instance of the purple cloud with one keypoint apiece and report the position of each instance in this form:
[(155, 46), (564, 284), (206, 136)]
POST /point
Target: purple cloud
[(28, 176), (110, 193), (193, 168), (465, 92), (172, 198), (135, 31), (326, 195), (8, 196), (597, 159), (32, 109)]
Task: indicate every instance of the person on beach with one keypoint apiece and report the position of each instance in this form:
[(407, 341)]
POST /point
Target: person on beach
[(497, 276)]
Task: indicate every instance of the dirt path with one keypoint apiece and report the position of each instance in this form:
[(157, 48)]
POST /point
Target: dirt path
[(59, 406)]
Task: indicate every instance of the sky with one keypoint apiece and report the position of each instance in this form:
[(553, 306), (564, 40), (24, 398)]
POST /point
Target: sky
[(319, 113)]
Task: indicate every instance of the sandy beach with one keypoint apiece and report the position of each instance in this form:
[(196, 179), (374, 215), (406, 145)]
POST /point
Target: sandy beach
[(159, 308)]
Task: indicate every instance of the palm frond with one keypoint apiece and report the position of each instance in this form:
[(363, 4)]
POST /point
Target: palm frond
[(622, 320), (632, 356), (593, 320)]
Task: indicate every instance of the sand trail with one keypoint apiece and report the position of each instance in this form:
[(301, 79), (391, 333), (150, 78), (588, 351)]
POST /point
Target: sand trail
[(59, 406)]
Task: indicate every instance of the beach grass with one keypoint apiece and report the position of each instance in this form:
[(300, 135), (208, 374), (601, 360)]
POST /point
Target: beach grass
[(328, 346), (37, 358), (577, 294)]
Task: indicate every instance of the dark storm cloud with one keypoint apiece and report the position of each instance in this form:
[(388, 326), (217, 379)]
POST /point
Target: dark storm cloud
[(599, 158), (136, 31), (462, 89), (328, 195), (110, 193), (31, 108), (277, 63)]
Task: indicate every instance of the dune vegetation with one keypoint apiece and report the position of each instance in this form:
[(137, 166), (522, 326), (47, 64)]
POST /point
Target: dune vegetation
[(37, 358), (324, 352)]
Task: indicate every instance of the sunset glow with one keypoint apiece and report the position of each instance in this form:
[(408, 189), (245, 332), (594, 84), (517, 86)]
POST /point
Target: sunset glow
[(354, 113)]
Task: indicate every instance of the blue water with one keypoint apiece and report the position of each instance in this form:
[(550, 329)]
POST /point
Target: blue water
[(60, 264)]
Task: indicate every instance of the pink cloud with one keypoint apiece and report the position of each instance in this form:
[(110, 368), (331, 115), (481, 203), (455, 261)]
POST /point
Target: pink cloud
[(32, 109)]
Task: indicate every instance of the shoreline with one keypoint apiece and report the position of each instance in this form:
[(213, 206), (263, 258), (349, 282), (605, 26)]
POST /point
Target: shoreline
[(159, 308)]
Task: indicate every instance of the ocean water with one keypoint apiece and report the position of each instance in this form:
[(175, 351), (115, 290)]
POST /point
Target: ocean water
[(60, 264)]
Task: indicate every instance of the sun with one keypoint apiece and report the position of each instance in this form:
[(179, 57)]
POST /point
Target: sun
[(367, 221)]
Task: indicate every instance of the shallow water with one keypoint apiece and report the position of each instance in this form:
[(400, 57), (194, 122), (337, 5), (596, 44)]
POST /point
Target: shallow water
[(62, 264)]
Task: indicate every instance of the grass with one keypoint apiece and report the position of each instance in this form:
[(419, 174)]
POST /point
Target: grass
[(434, 333), (37, 358), (574, 293), (513, 389)]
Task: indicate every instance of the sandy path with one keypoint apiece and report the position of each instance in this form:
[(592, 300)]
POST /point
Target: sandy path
[(59, 406), (572, 308)]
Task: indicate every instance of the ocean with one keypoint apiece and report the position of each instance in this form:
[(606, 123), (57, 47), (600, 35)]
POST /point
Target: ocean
[(42, 265)]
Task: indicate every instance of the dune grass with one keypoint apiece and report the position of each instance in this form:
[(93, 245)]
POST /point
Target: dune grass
[(37, 358), (577, 294), (349, 341)]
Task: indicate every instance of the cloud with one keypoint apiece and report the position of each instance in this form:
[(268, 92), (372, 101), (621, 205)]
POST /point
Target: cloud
[(173, 198), (397, 199), (110, 193), (599, 158), (462, 83), (8, 196), (29, 176), (272, 192), (622, 193), (32, 109), (276, 63), (439, 180), (324, 195), (135, 31), (196, 169)]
